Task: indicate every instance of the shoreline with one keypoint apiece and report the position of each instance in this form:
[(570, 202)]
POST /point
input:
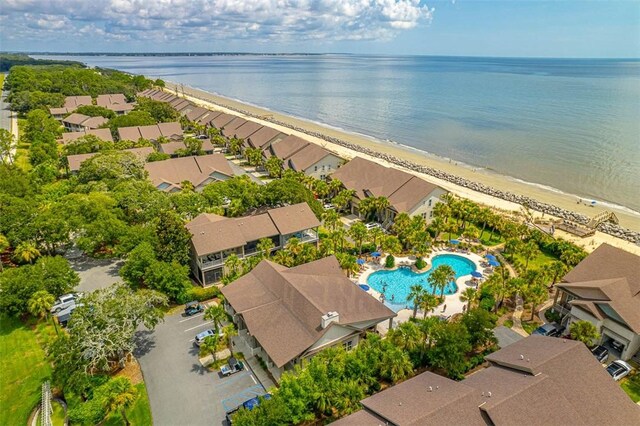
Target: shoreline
[(479, 185)]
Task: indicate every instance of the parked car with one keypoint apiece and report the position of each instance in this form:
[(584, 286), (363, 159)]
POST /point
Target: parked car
[(248, 404), (372, 225), (231, 367), (64, 301), (329, 206), (618, 369), (64, 315), (207, 333), (551, 330), (202, 137), (601, 353), (193, 308), (617, 345)]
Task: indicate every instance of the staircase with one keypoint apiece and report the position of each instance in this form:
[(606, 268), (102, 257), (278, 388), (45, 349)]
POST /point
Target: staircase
[(605, 216)]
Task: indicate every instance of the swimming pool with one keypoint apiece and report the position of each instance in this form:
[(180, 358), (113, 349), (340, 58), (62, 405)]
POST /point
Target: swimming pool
[(395, 284)]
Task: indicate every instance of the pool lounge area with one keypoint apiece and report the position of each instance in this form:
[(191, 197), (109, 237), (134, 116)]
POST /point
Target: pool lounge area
[(394, 284)]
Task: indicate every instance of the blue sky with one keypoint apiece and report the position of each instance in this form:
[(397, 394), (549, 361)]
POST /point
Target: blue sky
[(564, 28)]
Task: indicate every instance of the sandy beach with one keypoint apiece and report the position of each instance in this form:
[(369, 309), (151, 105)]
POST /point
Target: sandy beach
[(567, 202)]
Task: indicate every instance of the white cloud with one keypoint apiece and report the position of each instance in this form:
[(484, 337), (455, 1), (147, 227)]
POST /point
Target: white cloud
[(198, 20)]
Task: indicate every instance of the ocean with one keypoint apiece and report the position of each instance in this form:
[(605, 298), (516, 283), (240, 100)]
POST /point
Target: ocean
[(572, 125)]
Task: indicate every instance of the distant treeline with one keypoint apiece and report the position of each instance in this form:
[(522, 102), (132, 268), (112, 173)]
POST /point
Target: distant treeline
[(174, 54), (7, 60)]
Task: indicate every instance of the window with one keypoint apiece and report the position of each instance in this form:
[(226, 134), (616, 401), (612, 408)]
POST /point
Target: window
[(323, 177), (430, 201), (348, 345), (431, 214), (323, 168), (424, 215), (315, 169)]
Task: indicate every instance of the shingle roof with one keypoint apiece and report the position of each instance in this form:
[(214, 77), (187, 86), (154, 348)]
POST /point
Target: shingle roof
[(246, 130), (608, 277), (212, 233), (197, 170), (94, 122), (307, 157), (196, 113), (263, 136), (403, 190), (535, 381), (229, 128), (76, 119), (104, 134), (220, 121), (73, 102), (280, 304), (111, 99), (151, 132)]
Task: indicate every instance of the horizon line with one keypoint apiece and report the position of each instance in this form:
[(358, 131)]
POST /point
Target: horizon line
[(239, 53)]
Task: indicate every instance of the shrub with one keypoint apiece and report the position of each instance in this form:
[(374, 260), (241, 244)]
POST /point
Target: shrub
[(390, 262), (420, 263), (201, 293), (553, 316)]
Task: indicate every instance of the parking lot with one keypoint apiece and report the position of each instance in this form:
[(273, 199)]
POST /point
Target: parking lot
[(181, 391)]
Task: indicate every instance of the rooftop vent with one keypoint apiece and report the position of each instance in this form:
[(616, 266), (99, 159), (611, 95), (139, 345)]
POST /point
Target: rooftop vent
[(489, 394), (330, 317), (521, 356)]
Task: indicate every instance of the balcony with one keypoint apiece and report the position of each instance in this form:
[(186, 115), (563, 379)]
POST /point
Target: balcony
[(306, 236), (207, 264)]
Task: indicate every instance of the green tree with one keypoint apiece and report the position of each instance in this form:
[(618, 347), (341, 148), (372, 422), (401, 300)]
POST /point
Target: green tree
[(415, 296), (584, 331), (331, 220), (134, 118), (265, 246), (137, 263), (210, 345), (55, 275), (161, 112), (529, 251), (111, 168), (441, 277), (26, 252), (358, 232), (376, 235), (428, 303), (535, 294), (391, 244), (7, 146), (254, 156), (469, 295), (40, 305), (342, 199), (171, 279), (450, 348), (480, 324), (173, 239), (119, 395), (395, 365), (217, 314), (95, 111), (348, 263), (273, 166)]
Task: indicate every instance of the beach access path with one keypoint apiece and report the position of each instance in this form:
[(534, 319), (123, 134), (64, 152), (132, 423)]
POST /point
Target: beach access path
[(263, 116)]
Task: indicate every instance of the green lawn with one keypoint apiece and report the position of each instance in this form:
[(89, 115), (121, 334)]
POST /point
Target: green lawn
[(23, 369), (138, 415), (539, 261), (631, 386)]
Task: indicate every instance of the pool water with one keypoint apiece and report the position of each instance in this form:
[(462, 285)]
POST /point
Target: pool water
[(395, 284)]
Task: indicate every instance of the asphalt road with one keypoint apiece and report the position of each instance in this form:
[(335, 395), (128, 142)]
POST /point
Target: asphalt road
[(5, 114), (96, 273), (181, 391)]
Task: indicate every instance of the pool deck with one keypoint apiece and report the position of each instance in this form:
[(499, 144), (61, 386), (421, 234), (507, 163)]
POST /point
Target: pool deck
[(452, 303)]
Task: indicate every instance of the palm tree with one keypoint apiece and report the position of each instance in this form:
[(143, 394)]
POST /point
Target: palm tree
[(428, 303), (469, 295), (395, 365), (420, 243), (283, 257), (391, 244), (273, 166), (120, 395), (483, 216), (536, 294), (334, 185), (381, 205), (367, 207), (358, 232), (229, 332), (437, 224), (375, 236), (343, 198), (321, 188), (294, 246), (584, 331), (26, 252), (216, 314), (416, 294), (210, 345), (555, 270), (232, 265), (254, 156), (40, 304), (348, 263), (528, 251), (440, 277), (265, 246), (406, 336), (331, 220)]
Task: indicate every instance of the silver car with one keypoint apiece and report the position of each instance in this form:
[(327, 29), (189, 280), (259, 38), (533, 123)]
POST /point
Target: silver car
[(619, 369), (63, 302)]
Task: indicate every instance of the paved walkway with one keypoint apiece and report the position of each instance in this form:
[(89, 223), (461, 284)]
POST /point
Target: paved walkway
[(516, 318), (263, 377)]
